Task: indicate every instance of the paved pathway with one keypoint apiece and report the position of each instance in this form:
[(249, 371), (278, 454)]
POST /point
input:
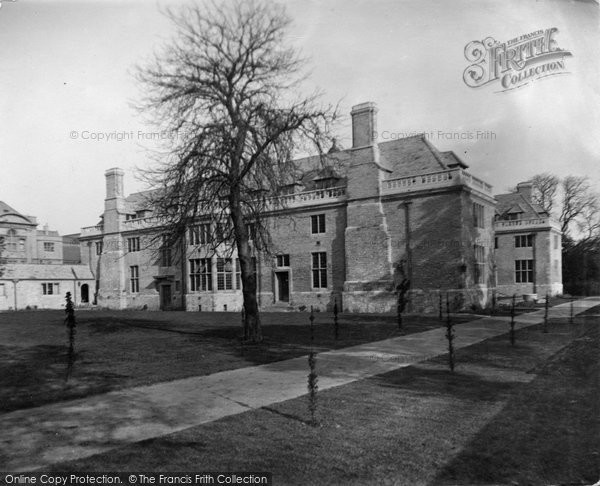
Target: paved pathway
[(36, 437)]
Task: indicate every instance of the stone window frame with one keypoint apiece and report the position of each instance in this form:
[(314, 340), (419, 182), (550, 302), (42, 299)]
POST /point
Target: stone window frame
[(201, 275), (524, 241), (50, 288), (524, 270), (133, 244), (224, 276), (318, 224), (134, 279), (319, 269)]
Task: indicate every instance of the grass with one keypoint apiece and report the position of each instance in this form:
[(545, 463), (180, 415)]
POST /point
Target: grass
[(123, 349), (523, 414)]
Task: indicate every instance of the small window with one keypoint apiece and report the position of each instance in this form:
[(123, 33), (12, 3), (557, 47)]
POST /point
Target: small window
[(479, 263), (50, 288), (283, 260), (200, 235), (133, 244), (523, 241), (165, 257), (98, 247), (524, 271), (319, 270), (134, 279), (165, 253), (478, 216), (48, 246), (21, 245), (317, 223), (495, 242)]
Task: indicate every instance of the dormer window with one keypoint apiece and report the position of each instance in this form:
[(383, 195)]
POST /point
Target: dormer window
[(326, 182)]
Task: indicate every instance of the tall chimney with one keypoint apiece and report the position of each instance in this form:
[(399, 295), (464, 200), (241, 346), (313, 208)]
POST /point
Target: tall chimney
[(525, 189), (114, 183), (364, 124)]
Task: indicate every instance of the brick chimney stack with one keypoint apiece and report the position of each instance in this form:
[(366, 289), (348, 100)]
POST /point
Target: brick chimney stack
[(364, 124), (525, 189), (114, 183)]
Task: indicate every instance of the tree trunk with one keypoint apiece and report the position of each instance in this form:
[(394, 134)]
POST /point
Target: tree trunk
[(252, 328)]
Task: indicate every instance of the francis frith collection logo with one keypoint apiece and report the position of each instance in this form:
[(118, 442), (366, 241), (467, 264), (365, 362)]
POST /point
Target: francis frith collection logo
[(516, 62)]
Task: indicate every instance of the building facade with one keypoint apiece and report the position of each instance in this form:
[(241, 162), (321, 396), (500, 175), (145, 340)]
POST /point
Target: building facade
[(33, 270), (528, 246), (350, 232)]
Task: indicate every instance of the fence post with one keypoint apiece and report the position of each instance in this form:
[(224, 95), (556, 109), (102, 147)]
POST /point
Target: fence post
[(335, 318), (441, 314), (512, 320), (312, 375), (70, 322), (546, 314), (571, 313), (449, 335)]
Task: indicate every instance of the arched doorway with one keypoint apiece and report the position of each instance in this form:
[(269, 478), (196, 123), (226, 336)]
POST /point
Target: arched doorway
[(85, 293)]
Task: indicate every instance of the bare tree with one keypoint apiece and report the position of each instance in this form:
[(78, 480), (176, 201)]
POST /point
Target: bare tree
[(575, 197), (545, 186), (572, 202), (224, 87), (589, 219)]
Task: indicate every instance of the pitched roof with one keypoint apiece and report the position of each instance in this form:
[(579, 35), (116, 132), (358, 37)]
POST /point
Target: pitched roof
[(9, 214), (515, 202), (139, 200), (411, 156), (32, 271)]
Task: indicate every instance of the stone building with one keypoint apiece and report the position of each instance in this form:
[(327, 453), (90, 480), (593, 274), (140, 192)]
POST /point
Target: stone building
[(528, 246), (354, 228), (34, 271)]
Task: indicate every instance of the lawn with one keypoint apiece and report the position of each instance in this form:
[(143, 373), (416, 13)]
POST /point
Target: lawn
[(124, 349), (522, 414)]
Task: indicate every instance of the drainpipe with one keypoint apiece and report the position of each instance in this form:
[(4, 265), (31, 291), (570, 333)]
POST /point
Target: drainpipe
[(533, 244), (407, 235)]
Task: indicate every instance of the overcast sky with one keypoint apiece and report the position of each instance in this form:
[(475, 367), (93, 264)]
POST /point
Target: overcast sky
[(66, 72)]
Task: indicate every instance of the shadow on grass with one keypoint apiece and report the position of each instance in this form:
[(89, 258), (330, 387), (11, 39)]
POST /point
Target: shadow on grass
[(428, 380), (548, 433), (31, 375)]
